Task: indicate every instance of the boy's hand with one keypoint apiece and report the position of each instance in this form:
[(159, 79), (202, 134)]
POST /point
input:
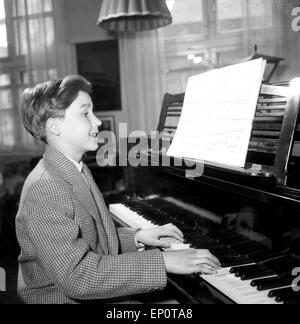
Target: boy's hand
[(152, 236), (191, 261)]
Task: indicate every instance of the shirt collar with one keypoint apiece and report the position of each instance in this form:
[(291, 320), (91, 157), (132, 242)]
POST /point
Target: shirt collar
[(79, 166)]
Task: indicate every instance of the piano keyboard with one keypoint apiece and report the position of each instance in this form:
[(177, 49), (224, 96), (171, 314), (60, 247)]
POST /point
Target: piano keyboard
[(133, 219), (251, 273)]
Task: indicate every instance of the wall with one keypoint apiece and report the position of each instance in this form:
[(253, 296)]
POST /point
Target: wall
[(81, 20), (78, 20), (140, 66)]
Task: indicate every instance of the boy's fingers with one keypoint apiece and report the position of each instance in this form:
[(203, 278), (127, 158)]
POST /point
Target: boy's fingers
[(207, 254), (206, 262), (170, 232), (206, 270), (159, 243), (177, 230), (173, 228)]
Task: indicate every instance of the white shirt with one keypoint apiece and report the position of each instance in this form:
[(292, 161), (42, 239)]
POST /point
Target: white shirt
[(79, 166)]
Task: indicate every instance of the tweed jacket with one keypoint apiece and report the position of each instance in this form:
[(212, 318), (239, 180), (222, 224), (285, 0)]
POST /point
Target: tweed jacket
[(71, 251)]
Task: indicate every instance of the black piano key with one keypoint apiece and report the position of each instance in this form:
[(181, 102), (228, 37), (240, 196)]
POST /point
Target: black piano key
[(195, 235), (248, 270), (267, 256), (287, 295), (257, 274), (247, 249), (243, 244), (280, 292), (280, 260), (225, 254), (257, 282), (235, 262), (283, 268), (233, 241), (222, 230), (199, 239), (239, 270), (232, 248), (273, 284), (202, 245), (295, 301)]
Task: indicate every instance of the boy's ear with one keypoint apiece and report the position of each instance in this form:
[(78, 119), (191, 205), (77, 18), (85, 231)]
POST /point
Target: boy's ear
[(52, 127)]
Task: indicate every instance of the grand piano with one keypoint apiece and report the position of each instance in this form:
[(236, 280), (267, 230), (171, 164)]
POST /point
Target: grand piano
[(248, 217)]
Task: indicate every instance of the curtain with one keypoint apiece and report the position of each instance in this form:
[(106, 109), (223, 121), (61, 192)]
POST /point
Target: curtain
[(142, 78), (31, 59), (35, 38)]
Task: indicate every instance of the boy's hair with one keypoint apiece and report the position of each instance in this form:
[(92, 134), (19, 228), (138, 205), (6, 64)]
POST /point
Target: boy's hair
[(49, 100)]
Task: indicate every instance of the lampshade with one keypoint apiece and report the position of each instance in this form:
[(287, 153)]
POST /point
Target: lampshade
[(133, 15)]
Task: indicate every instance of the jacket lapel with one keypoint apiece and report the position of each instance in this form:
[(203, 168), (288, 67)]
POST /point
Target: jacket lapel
[(105, 215), (63, 167)]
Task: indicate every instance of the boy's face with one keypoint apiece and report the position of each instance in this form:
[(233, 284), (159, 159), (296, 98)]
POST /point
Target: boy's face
[(79, 127)]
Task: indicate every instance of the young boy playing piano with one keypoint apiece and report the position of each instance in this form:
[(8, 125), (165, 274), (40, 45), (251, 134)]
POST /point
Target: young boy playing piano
[(71, 251)]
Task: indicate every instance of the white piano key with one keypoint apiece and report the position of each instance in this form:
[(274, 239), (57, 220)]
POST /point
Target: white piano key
[(250, 294), (259, 297), (129, 217), (269, 301), (175, 244), (177, 247), (233, 287)]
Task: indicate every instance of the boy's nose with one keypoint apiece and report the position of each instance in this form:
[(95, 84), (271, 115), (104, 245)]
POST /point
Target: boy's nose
[(97, 122)]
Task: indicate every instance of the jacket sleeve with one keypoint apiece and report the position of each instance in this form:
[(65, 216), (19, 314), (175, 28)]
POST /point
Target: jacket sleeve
[(68, 261), (127, 239)]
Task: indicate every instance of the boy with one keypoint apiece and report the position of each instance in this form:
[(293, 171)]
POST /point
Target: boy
[(71, 251)]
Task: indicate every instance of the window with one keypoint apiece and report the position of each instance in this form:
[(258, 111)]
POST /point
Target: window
[(208, 34), (3, 34), (243, 14), (230, 15), (187, 18), (27, 56), (182, 40), (6, 93)]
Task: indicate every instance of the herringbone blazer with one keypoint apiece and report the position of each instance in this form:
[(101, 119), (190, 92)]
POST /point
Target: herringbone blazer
[(71, 251)]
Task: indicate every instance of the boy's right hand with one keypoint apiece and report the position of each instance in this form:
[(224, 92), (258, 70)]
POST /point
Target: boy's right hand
[(191, 261)]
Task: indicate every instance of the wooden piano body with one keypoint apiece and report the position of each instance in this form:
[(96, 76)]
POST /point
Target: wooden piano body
[(262, 199)]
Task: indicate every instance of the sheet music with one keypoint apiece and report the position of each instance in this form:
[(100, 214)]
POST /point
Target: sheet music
[(217, 114)]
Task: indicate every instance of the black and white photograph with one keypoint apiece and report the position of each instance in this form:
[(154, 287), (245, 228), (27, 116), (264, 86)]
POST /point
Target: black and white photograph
[(107, 123), (150, 155)]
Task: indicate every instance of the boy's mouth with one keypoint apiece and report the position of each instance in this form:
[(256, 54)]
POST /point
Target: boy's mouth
[(94, 134)]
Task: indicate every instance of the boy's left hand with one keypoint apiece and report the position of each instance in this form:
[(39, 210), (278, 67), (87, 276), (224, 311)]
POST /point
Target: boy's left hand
[(152, 236)]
